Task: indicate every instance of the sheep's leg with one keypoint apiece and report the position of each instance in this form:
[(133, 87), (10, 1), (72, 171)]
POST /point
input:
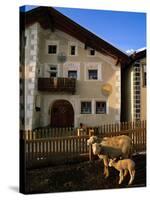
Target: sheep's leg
[(125, 172), (106, 171), (121, 177), (100, 158), (132, 175), (106, 163)]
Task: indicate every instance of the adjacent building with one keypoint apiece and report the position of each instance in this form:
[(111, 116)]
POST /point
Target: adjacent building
[(134, 88)]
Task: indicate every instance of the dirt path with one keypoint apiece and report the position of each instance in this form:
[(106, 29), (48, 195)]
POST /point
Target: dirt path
[(81, 176)]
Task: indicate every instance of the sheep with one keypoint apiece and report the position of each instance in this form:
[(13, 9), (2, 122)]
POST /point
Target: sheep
[(124, 166), (92, 140), (119, 145), (122, 142), (111, 152), (105, 153)]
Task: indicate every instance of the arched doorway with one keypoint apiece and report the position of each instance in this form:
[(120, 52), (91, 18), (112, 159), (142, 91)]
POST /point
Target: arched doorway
[(62, 114)]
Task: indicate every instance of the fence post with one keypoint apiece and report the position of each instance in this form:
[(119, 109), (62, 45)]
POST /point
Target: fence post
[(91, 132), (90, 153)]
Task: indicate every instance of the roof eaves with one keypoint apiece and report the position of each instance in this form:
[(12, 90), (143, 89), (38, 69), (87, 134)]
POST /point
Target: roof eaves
[(90, 39)]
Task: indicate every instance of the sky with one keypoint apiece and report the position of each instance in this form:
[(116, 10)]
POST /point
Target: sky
[(124, 30)]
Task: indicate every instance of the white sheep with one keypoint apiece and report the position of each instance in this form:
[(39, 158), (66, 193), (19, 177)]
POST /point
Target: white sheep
[(111, 152), (105, 153), (122, 142), (124, 166), (117, 146), (92, 140)]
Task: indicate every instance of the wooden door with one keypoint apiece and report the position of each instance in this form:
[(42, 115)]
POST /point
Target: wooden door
[(62, 114)]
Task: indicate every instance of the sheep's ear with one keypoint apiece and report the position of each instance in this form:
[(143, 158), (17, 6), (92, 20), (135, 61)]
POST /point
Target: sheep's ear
[(114, 159)]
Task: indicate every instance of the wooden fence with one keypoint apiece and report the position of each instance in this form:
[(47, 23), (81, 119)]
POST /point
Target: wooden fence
[(49, 132), (43, 146), (61, 146), (112, 129)]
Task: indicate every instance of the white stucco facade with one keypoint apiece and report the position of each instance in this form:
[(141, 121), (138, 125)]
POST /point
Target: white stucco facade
[(37, 63)]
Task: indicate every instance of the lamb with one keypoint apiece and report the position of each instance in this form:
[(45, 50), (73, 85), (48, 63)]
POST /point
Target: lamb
[(117, 146), (124, 166)]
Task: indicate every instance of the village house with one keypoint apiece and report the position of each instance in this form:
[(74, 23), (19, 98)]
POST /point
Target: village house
[(134, 88), (69, 75)]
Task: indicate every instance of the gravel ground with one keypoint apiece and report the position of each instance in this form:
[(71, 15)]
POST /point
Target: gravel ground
[(80, 177)]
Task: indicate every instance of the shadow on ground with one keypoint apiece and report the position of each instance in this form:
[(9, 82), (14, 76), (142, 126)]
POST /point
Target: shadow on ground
[(14, 188)]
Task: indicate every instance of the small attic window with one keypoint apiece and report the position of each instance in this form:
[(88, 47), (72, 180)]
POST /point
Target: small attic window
[(92, 52), (73, 50)]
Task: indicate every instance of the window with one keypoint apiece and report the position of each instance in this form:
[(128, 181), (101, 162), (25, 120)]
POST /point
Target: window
[(137, 116), (137, 83), (137, 111), (72, 74), (86, 107), (144, 75), (144, 79), (53, 71), (53, 74), (93, 71), (72, 50), (92, 52), (136, 87), (137, 101), (100, 107), (92, 74), (137, 97), (52, 49), (137, 92)]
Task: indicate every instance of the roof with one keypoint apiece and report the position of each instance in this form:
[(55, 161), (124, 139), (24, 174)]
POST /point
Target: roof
[(49, 18), (138, 55)]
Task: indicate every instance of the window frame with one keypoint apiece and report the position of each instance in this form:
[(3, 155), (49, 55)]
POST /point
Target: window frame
[(89, 74), (73, 71), (52, 45), (53, 69), (92, 50), (84, 111), (70, 45), (89, 50), (74, 50), (103, 112), (144, 75), (92, 66)]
